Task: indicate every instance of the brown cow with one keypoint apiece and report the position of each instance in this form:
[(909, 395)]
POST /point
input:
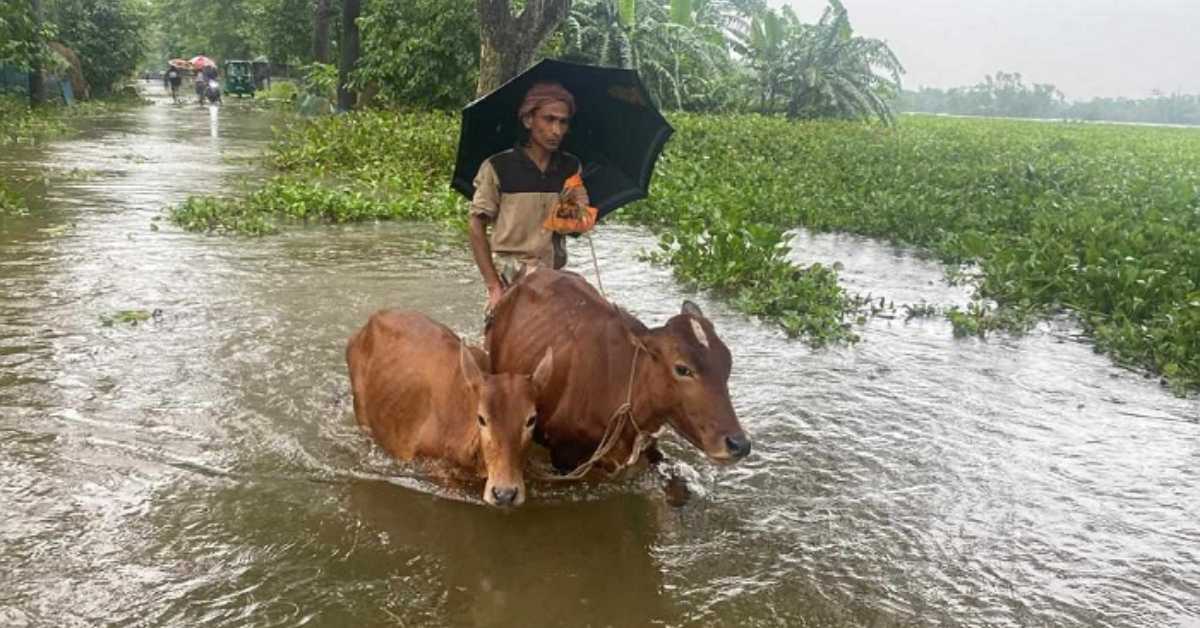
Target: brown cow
[(419, 391), (679, 378)]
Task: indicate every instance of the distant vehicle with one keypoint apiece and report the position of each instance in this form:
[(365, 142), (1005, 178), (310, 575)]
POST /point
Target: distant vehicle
[(239, 78), (212, 91)]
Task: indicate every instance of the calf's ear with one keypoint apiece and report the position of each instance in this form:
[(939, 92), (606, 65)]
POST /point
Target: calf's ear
[(691, 309), (545, 368), (469, 368)]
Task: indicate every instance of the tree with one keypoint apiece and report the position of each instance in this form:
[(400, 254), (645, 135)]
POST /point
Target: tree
[(596, 32), (1001, 94), (824, 70), (23, 43), (37, 75), (675, 56), (509, 42), (349, 52), (321, 16), (220, 30), (419, 52), (108, 36), (276, 33), (768, 31)]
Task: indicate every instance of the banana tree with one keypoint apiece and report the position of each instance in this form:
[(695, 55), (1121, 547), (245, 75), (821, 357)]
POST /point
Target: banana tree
[(768, 35), (827, 71), (657, 38)]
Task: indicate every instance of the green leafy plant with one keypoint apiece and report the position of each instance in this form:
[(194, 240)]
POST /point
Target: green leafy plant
[(1099, 222)]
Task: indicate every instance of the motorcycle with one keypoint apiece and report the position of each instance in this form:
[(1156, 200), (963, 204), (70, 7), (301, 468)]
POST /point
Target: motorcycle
[(212, 91)]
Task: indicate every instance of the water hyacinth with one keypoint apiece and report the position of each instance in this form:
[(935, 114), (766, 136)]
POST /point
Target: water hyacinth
[(1099, 221)]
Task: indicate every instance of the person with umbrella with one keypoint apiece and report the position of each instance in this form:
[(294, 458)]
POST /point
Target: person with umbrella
[(616, 134), (200, 83), (529, 195)]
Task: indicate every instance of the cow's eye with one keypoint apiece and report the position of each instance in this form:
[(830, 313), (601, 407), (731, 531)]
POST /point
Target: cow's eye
[(683, 371), (531, 421), (482, 421)]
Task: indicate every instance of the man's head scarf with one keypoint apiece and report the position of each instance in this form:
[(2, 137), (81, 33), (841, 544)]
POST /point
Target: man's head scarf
[(542, 94)]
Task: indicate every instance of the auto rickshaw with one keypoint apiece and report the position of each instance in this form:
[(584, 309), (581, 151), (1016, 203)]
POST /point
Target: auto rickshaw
[(239, 78)]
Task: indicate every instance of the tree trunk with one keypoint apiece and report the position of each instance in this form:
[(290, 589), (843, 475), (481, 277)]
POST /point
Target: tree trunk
[(509, 43), (37, 78), (321, 32), (350, 51)]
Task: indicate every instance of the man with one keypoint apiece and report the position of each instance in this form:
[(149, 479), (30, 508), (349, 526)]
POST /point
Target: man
[(517, 190), (173, 80), (201, 84)]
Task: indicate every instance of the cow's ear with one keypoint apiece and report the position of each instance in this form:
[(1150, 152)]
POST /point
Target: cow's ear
[(545, 368), (691, 309), (469, 368)]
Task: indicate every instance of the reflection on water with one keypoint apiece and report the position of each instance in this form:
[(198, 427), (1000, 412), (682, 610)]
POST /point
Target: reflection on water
[(549, 564), (204, 469)]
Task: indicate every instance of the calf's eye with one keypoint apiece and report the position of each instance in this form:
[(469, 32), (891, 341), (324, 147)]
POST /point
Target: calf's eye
[(531, 421), (683, 371), (482, 421)]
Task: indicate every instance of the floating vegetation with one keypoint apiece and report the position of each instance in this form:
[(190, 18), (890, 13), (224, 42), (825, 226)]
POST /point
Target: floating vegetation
[(1099, 221), (130, 317), (920, 310), (22, 124), (11, 203)]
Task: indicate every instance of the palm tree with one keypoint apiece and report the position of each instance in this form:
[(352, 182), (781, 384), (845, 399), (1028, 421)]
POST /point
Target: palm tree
[(658, 39), (595, 33), (827, 71)]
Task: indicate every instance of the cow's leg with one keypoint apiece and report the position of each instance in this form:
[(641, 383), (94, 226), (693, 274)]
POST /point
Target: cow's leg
[(654, 455), (566, 456), (675, 487), (676, 491)]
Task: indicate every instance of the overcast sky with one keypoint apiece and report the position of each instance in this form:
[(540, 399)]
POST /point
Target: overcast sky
[(1086, 47)]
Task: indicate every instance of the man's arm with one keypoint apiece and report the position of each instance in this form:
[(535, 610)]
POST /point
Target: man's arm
[(482, 251), (485, 206)]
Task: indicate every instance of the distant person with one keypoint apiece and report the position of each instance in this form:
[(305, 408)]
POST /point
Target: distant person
[(172, 80), (201, 84)]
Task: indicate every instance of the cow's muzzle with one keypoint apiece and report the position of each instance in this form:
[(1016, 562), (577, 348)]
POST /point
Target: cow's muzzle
[(504, 497), (738, 446)]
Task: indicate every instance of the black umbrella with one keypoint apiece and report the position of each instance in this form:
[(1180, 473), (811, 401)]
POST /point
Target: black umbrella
[(617, 132)]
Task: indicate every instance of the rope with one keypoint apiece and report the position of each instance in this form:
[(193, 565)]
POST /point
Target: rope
[(612, 433)]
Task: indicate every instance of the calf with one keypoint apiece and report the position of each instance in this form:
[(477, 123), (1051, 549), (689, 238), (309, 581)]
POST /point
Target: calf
[(420, 392)]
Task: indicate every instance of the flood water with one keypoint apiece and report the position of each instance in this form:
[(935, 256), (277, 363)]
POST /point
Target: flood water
[(202, 467)]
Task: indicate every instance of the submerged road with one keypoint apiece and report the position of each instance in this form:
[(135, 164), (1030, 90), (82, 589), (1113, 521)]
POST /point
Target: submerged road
[(202, 467)]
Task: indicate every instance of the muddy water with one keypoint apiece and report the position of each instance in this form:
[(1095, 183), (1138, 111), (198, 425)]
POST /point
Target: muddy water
[(202, 467)]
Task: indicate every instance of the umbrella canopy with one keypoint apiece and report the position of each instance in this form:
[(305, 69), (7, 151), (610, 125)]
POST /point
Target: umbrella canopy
[(200, 61), (180, 64), (617, 132)]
